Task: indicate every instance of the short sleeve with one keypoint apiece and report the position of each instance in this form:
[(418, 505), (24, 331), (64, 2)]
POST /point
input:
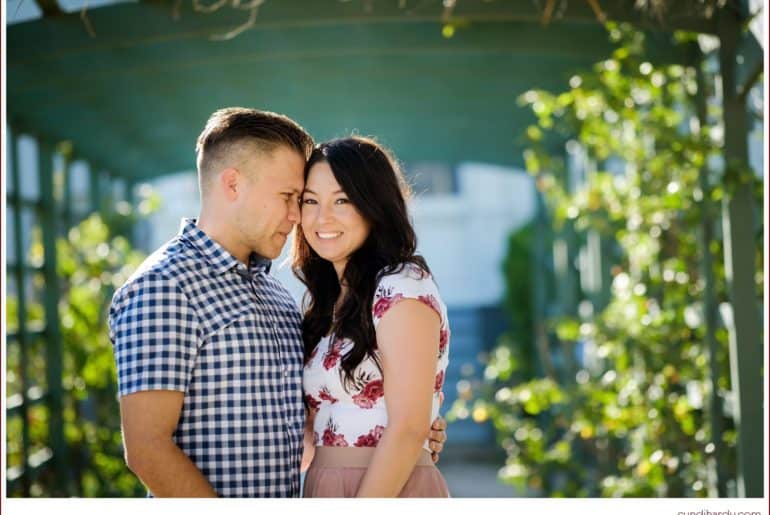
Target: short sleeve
[(411, 282), (154, 332)]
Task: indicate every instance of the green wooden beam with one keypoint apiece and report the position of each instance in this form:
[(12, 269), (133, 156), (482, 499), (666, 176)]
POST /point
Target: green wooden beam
[(38, 462), (129, 196), (52, 294), (19, 404), (167, 19), (750, 63), (142, 89), (541, 233), (66, 205), (22, 202), (706, 236), (33, 333), (95, 189), (738, 221), (22, 339), (566, 280), (24, 268)]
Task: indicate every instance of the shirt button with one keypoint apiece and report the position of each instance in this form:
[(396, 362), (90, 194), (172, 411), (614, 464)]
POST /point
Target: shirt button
[(285, 373)]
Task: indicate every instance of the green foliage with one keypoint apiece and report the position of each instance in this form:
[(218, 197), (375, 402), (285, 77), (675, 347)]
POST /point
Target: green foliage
[(634, 419), (91, 262), (517, 270)]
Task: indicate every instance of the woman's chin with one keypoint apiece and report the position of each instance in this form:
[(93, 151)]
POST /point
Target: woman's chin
[(326, 256)]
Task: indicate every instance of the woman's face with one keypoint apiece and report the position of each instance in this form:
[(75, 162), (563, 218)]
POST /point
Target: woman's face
[(330, 222)]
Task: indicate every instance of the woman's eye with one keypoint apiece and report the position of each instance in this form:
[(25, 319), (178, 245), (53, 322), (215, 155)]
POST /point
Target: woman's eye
[(341, 201), (309, 201)]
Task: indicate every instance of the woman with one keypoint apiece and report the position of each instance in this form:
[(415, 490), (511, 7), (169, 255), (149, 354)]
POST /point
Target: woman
[(375, 329)]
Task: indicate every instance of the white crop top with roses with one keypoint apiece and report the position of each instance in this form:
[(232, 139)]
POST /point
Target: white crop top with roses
[(357, 418)]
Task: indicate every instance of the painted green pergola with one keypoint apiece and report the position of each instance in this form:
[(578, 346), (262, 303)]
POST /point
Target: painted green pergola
[(130, 86)]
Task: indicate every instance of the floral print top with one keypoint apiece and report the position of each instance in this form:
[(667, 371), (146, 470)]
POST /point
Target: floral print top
[(357, 417)]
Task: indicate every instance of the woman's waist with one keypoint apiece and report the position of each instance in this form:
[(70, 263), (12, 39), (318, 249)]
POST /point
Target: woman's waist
[(354, 418), (356, 457)]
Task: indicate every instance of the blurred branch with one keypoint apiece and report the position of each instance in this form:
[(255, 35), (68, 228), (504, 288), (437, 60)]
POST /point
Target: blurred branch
[(87, 20), (600, 15), (548, 12), (236, 31)]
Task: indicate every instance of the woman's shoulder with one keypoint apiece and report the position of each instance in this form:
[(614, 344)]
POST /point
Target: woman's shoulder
[(407, 281), (405, 276)]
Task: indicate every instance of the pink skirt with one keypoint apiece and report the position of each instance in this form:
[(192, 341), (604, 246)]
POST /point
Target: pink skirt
[(338, 471)]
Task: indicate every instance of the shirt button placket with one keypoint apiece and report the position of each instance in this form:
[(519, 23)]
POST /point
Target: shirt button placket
[(277, 344)]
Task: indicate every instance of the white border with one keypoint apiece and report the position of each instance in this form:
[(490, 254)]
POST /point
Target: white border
[(513, 506), (3, 114), (389, 506), (766, 180)]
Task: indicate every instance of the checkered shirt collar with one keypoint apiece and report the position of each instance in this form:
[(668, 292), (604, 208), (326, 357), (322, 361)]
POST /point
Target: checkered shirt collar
[(216, 256)]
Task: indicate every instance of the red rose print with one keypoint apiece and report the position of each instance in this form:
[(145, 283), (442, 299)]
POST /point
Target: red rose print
[(384, 303), (369, 394), (371, 439), (330, 437), (439, 382), (430, 300), (325, 395), (333, 354), (443, 339), (312, 403)]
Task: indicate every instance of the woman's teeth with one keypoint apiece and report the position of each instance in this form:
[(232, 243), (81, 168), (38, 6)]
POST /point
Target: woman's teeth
[(328, 235)]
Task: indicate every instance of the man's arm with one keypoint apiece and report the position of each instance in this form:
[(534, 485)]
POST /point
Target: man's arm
[(148, 420), (308, 442), (155, 334)]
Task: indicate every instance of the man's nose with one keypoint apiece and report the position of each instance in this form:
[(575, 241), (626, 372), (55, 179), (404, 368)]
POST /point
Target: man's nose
[(294, 213)]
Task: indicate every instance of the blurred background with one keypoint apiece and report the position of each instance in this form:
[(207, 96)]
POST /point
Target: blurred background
[(588, 179)]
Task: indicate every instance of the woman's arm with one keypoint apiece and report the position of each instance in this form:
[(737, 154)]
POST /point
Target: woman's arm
[(408, 339), (308, 441)]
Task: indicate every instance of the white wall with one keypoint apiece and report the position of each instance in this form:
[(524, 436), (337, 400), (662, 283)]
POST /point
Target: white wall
[(179, 199), (464, 236)]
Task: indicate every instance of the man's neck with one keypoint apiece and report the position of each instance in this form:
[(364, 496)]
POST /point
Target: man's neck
[(222, 234)]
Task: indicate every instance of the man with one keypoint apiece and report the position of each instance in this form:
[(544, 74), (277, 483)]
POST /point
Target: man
[(208, 345)]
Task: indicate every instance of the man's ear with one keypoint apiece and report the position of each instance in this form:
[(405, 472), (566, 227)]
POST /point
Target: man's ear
[(229, 181)]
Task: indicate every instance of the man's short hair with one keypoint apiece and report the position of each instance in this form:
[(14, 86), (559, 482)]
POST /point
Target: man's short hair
[(233, 126)]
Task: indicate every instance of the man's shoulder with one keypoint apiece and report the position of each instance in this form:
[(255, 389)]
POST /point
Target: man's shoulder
[(276, 284), (279, 291), (163, 268)]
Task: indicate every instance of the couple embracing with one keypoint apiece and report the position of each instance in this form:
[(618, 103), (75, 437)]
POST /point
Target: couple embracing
[(225, 388)]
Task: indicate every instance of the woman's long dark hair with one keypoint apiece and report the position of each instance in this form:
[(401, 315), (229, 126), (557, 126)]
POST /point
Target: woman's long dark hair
[(374, 184)]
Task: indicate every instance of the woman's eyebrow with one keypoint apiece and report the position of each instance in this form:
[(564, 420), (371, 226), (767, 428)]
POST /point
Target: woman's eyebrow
[(314, 193)]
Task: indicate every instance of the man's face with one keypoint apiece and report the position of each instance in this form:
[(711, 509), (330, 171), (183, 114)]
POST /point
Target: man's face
[(268, 203)]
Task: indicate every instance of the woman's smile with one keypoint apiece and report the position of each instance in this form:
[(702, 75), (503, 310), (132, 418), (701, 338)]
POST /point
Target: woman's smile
[(328, 235)]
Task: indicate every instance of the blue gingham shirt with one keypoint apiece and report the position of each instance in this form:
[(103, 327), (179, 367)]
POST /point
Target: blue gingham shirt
[(196, 320)]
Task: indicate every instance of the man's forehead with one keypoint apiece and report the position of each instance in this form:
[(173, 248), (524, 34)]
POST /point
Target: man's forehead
[(282, 165), (290, 178)]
